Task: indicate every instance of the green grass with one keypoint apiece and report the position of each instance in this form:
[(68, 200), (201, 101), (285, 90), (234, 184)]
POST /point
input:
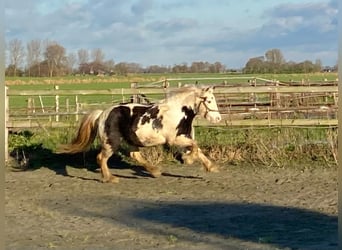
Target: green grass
[(146, 78), (268, 147), (112, 82), (21, 101)]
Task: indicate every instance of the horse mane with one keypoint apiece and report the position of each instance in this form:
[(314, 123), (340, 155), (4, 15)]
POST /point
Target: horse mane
[(178, 93)]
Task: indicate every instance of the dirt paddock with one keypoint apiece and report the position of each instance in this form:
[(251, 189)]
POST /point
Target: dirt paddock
[(61, 206)]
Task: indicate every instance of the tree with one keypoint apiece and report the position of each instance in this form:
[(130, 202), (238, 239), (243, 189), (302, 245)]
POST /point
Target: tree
[(71, 62), (318, 65), (121, 68), (306, 67), (97, 55), (254, 65), (83, 56), (274, 60), (134, 68), (274, 56), (110, 66), (16, 53), (55, 58), (198, 67), (180, 68), (157, 69), (216, 67), (33, 55)]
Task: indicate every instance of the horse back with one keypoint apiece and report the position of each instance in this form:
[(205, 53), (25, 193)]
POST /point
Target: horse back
[(123, 121)]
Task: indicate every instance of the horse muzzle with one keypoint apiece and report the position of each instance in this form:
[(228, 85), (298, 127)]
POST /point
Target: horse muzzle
[(213, 117)]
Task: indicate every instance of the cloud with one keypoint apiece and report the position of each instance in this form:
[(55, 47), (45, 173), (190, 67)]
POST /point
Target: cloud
[(142, 7), (169, 32), (305, 29), (314, 19), (166, 28)]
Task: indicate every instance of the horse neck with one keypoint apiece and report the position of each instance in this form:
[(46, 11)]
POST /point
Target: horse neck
[(184, 99)]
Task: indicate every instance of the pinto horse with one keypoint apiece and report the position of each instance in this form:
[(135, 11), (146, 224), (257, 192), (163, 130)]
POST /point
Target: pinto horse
[(167, 122)]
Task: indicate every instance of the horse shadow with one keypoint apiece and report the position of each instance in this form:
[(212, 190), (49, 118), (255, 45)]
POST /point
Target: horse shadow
[(34, 156)]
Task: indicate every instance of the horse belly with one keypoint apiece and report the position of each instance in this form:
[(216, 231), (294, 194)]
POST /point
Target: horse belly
[(150, 137)]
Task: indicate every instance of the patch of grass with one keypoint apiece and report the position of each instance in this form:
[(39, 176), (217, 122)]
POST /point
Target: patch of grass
[(279, 147), (172, 239), (271, 147)]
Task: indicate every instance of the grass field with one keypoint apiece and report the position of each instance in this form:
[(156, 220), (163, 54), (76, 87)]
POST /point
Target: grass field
[(124, 81), (112, 82)]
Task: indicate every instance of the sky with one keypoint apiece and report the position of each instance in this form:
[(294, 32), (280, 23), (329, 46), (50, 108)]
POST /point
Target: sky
[(169, 32)]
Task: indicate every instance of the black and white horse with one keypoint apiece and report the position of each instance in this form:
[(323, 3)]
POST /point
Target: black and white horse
[(141, 125)]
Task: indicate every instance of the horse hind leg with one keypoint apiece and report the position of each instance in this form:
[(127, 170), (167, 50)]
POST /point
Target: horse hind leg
[(102, 159), (209, 166), (153, 170)]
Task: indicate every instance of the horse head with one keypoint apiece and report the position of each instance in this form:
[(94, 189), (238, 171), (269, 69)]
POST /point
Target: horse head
[(207, 106)]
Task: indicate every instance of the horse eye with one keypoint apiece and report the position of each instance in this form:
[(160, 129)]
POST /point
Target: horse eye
[(208, 101)]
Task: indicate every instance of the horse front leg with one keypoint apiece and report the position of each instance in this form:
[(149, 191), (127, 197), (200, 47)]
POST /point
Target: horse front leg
[(194, 153), (153, 170), (209, 166)]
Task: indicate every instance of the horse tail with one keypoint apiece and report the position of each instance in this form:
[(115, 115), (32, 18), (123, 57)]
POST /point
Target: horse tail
[(85, 136)]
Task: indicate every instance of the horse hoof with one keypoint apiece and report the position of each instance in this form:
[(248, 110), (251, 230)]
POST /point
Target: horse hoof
[(156, 173), (111, 179), (187, 160), (213, 169)]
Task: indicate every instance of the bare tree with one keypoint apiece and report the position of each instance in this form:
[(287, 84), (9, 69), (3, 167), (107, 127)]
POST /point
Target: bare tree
[(33, 56), (275, 59), (318, 65), (71, 62), (16, 54), (274, 56), (121, 68), (110, 66), (55, 58), (97, 55), (83, 56)]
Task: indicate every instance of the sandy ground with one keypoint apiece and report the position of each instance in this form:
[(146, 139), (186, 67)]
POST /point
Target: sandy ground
[(61, 206)]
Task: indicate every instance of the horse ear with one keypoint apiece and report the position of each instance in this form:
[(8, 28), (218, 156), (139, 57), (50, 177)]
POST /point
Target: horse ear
[(209, 89)]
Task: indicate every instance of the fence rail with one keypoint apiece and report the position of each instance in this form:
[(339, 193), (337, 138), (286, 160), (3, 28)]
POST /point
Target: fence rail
[(255, 102), (272, 105), (218, 90)]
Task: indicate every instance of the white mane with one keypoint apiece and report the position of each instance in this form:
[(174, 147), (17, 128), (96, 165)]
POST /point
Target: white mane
[(180, 94)]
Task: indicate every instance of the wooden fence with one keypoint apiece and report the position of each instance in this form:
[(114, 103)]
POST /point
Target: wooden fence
[(240, 105), (269, 103)]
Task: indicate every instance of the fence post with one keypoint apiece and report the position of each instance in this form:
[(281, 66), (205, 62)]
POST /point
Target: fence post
[(6, 121), (67, 106), (166, 84), (77, 108), (41, 103), (134, 97), (57, 104), (278, 99)]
